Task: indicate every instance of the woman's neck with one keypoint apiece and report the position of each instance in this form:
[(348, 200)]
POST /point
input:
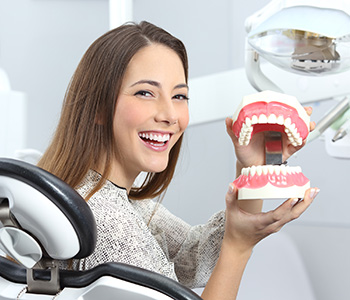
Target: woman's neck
[(119, 174)]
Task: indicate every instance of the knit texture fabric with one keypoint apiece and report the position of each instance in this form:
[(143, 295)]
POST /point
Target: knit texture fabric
[(166, 244)]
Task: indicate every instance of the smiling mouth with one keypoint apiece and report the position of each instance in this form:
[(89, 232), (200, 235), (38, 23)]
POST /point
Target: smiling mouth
[(155, 139)]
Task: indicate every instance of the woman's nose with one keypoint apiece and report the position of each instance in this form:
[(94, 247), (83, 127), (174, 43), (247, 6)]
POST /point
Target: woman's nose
[(167, 112)]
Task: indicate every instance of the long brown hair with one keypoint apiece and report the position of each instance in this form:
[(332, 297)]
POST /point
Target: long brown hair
[(80, 143)]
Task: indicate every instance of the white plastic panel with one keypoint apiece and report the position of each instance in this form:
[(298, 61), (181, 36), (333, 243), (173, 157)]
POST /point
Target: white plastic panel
[(20, 246), (12, 291), (106, 288), (41, 217), (110, 288)]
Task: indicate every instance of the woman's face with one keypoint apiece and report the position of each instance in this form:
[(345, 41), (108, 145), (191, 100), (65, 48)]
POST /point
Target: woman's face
[(151, 111)]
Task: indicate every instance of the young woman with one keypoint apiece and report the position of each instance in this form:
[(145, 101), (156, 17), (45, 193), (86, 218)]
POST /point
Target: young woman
[(124, 113)]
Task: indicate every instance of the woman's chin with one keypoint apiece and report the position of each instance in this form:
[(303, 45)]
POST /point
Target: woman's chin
[(157, 167)]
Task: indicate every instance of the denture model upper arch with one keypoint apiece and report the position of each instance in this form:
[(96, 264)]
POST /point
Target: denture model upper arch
[(271, 111)]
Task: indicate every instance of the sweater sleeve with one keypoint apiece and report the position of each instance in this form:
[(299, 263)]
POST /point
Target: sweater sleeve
[(194, 250)]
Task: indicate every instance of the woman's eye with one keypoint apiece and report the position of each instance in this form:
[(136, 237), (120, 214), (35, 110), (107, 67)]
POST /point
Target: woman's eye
[(181, 97), (144, 94)]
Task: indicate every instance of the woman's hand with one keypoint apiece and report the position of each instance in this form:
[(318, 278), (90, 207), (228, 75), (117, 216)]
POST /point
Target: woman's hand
[(254, 152), (244, 230)]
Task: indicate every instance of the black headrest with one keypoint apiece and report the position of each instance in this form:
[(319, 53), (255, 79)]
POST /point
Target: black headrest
[(64, 197)]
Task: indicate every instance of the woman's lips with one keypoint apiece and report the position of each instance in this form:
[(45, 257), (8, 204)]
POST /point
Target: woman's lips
[(157, 141)]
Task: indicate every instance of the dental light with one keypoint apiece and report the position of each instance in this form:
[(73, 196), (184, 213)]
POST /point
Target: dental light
[(305, 37)]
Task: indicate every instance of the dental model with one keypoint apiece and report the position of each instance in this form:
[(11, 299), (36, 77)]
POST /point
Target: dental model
[(271, 112)]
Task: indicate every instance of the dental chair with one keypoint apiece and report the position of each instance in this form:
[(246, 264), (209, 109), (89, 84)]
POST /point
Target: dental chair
[(44, 221)]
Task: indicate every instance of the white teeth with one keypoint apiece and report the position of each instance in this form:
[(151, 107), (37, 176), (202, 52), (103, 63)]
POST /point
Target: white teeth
[(252, 170), (271, 169), (292, 133), (287, 122), (155, 137), (262, 119), (289, 128), (265, 169), (259, 170), (283, 170), (272, 119), (248, 122), (245, 171), (277, 170), (246, 132), (280, 120)]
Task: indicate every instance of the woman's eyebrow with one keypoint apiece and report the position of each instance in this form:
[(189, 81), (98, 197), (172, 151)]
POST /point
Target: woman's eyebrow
[(158, 85), (181, 85), (150, 82)]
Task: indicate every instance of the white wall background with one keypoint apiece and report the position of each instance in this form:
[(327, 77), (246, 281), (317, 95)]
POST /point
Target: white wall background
[(41, 43)]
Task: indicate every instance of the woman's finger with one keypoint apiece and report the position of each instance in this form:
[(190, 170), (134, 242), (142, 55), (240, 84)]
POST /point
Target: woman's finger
[(308, 110), (312, 126), (278, 214), (288, 211), (231, 197), (302, 205), (228, 122)]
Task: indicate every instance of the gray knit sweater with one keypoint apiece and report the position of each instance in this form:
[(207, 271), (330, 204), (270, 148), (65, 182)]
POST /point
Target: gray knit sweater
[(166, 244)]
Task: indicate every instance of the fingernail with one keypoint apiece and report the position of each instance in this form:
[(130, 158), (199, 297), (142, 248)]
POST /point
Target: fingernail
[(294, 201), (314, 192), (231, 188)]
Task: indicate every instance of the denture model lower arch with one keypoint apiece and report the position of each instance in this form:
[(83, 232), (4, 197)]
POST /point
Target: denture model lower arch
[(271, 111), (271, 182)]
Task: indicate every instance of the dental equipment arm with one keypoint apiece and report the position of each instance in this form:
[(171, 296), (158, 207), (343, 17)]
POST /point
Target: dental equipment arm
[(329, 119), (254, 74)]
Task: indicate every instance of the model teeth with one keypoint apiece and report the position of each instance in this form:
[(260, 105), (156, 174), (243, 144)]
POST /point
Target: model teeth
[(289, 128), (262, 119), (162, 138), (255, 120), (272, 119), (270, 169), (280, 120)]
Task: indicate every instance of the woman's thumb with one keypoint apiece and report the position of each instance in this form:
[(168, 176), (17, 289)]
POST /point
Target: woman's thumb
[(231, 195)]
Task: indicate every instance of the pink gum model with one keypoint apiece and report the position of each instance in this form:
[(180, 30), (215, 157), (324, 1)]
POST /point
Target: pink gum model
[(271, 111)]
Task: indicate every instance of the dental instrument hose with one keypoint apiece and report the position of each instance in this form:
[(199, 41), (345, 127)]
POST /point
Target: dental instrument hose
[(329, 119)]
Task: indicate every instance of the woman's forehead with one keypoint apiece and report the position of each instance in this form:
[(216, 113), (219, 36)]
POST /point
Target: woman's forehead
[(155, 62)]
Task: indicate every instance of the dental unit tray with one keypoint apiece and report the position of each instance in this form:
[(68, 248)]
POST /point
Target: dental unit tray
[(275, 114)]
